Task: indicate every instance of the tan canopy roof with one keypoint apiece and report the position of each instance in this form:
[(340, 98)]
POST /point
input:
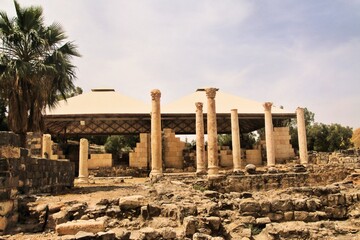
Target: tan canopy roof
[(103, 111), (99, 101), (224, 103)]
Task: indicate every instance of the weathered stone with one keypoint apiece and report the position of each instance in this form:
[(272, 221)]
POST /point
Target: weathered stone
[(249, 205), (250, 168), (300, 204), (71, 228), (247, 219), (84, 235), (288, 216), (211, 194), (212, 209), (170, 210), (300, 215), (263, 220), (313, 204), (131, 202), (214, 223), (167, 233), (201, 236), (272, 170), (265, 206), (6, 207), (281, 205), (190, 226), (276, 217), (148, 233), (110, 235)]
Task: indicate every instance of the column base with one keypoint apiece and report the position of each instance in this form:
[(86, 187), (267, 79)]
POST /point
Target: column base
[(238, 171), (82, 180), (213, 171), (201, 171)]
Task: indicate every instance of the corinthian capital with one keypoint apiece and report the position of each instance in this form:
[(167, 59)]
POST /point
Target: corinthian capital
[(199, 106), (155, 94), (267, 106), (210, 92)]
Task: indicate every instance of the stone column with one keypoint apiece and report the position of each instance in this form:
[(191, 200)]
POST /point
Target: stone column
[(213, 162), (300, 118), (235, 137), (83, 160), (46, 146), (200, 145), (156, 150), (269, 135)]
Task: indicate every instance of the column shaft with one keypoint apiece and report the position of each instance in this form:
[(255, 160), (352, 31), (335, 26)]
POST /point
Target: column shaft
[(156, 145), (235, 137), (213, 162), (46, 146), (200, 145), (269, 135), (83, 160), (300, 118)]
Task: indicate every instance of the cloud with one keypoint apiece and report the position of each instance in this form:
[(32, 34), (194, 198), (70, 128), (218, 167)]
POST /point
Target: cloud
[(293, 53)]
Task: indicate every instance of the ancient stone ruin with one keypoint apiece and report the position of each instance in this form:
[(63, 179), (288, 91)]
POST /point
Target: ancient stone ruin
[(171, 192)]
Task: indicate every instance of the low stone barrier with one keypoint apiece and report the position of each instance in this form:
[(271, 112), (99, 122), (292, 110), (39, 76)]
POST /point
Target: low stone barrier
[(21, 174)]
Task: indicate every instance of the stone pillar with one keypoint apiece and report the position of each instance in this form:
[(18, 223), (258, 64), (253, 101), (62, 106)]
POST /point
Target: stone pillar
[(300, 118), (213, 162), (200, 145), (46, 146), (235, 137), (269, 135), (156, 150), (83, 160)]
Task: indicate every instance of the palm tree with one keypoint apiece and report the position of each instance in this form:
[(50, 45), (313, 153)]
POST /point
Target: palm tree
[(35, 67)]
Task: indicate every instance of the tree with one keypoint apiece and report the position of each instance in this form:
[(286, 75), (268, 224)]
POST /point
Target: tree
[(118, 144), (355, 139), (329, 138), (3, 122), (35, 67)]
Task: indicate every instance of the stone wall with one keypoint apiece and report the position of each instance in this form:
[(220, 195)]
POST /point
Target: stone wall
[(316, 175), (100, 160), (225, 156), (172, 149), (283, 148), (20, 173), (141, 156), (34, 143)]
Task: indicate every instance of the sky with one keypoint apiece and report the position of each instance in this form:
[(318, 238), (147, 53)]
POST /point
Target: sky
[(301, 53)]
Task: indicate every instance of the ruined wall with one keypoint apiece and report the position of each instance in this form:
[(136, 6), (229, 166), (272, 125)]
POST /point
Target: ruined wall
[(100, 160), (22, 174), (283, 148), (316, 175), (173, 150), (140, 158), (34, 143)]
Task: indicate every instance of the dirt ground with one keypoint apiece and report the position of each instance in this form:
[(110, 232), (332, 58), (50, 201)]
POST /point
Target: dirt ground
[(92, 193)]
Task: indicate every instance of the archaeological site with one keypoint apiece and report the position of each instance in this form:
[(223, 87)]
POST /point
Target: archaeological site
[(61, 186)]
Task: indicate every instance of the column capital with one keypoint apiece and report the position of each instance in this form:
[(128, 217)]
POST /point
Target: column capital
[(210, 92), (199, 106), (155, 94), (267, 106), (299, 109)]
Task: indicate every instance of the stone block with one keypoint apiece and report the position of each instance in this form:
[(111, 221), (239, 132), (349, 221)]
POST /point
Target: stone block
[(3, 224), (71, 228), (6, 207), (131, 202)]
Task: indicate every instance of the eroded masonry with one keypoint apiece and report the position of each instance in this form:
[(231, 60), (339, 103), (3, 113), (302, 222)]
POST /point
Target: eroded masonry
[(204, 192)]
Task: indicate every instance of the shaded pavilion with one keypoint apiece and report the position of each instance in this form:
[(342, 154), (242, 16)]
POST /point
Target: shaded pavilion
[(106, 112)]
